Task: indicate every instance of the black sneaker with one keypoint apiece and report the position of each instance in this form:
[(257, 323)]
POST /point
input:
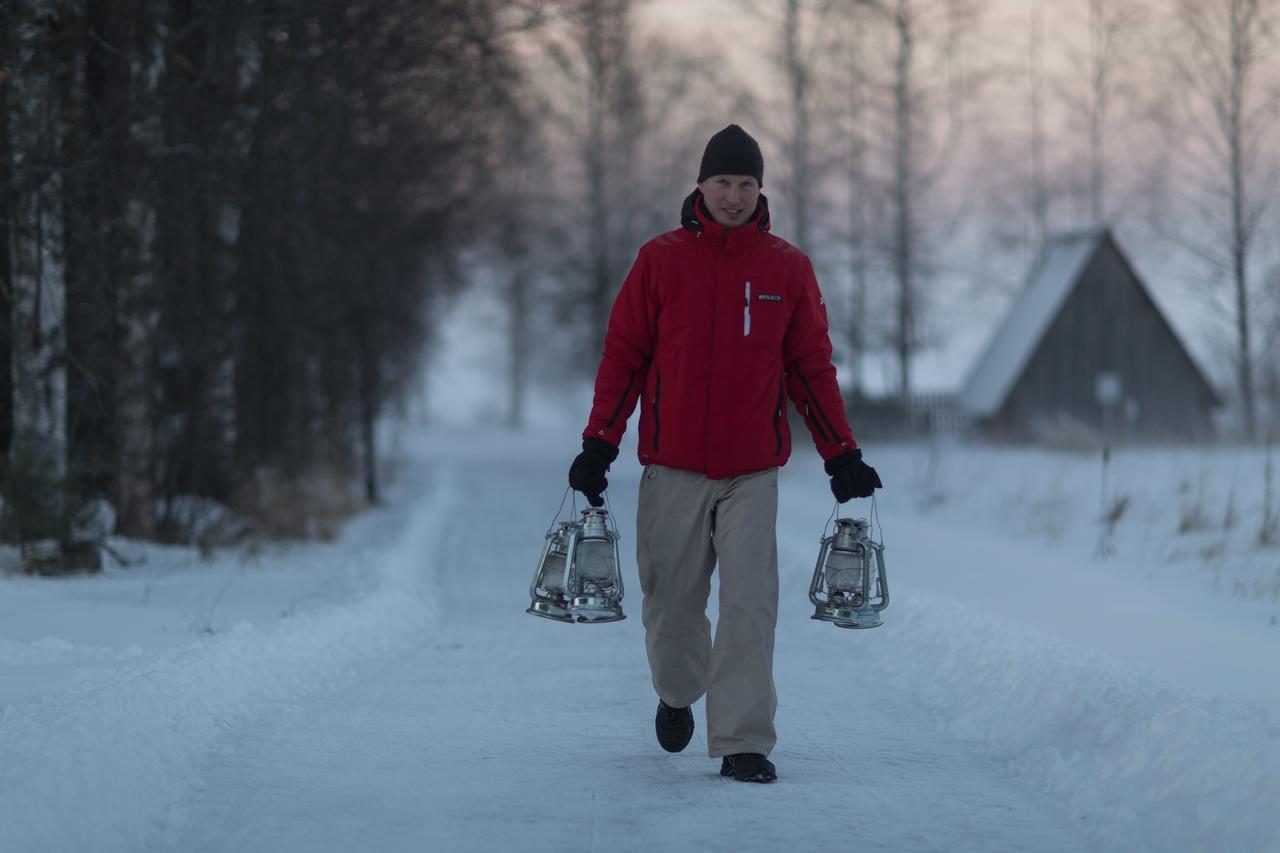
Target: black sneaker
[(748, 767), (674, 727)]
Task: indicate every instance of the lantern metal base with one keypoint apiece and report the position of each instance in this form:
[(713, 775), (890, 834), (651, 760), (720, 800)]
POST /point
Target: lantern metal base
[(549, 610), (595, 608), (848, 617)]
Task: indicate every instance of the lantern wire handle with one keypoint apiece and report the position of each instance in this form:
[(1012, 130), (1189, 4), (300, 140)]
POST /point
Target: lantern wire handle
[(613, 522), (834, 508), (563, 498), (875, 517)]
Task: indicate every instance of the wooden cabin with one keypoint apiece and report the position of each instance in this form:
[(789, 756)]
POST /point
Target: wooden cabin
[(1085, 350)]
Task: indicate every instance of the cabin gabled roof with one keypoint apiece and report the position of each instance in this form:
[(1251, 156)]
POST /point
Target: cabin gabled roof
[(1052, 278), (1054, 275)]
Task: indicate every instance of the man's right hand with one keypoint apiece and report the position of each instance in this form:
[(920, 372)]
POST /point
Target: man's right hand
[(586, 474)]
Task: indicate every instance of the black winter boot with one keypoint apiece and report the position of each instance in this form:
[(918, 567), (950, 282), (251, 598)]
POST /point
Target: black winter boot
[(674, 727), (748, 767)]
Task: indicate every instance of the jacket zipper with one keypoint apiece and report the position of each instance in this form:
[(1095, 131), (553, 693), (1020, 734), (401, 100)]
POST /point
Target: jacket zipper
[(657, 421), (630, 381), (777, 416), (746, 312), (711, 354)]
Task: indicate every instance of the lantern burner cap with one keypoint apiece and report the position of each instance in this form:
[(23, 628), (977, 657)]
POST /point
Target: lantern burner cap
[(595, 608), (848, 617), (549, 610)]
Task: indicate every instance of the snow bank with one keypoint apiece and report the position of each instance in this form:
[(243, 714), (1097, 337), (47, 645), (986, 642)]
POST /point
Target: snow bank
[(1190, 516), (1119, 747), (105, 765)]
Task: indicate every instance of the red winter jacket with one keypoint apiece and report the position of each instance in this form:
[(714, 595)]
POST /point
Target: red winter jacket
[(711, 328)]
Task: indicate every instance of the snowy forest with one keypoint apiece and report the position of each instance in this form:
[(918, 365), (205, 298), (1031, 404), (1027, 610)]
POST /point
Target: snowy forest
[(232, 231), (303, 303)]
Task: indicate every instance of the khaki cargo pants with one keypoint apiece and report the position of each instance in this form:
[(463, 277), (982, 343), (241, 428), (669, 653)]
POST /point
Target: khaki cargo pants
[(685, 525)]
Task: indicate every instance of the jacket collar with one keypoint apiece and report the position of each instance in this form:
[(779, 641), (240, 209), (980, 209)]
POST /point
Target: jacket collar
[(694, 216)]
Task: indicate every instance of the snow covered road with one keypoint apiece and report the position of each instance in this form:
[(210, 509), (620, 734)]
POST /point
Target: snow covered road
[(421, 709), (504, 731)]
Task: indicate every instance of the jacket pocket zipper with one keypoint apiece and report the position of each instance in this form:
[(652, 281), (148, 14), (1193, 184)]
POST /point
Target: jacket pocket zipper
[(815, 408), (622, 400), (746, 311), (777, 416), (657, 421)]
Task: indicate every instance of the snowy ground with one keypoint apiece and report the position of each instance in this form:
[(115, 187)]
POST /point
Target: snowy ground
[(1040, 683)]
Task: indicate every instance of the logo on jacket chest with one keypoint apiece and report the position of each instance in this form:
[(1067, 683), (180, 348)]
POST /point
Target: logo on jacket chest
[(757, 295)]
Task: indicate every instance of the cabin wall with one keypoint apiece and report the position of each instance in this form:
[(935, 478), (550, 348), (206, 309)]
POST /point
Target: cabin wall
[(1109, 325)]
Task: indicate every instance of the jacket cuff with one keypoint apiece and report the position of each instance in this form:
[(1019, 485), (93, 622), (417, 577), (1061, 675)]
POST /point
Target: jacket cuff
[(599, 445), (845, 459)]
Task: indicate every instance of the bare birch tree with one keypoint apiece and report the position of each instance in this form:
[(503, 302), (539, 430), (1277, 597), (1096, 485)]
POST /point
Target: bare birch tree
[(927, 92), (590, 44), (1038, 189), (857, 236), (522, 232), (803, 38), (798, 60), (1223, 127), (1095, 89), (35, 278), (115, 223), (628, 112)]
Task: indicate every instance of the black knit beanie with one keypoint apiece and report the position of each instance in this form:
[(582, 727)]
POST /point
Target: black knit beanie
[(732, 151)]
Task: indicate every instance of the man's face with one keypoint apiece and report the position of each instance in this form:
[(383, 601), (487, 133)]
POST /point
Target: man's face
[(731, 199)]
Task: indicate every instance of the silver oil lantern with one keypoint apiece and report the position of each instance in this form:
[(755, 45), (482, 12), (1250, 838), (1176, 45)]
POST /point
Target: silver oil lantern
[(847, 588), (548, 587), (578, 577)]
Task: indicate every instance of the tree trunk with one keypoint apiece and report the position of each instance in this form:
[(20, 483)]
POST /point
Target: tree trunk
[(903, 249), (7, 210), (370, 403), (798, 78), (1039, 192), (599, 74), (1101, 62), (858, 186), (518, 372), (136, 444), (1240, 232), (37, 262)]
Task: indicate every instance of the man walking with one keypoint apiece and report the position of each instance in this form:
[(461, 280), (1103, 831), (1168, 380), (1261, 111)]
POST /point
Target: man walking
[(716, 324)]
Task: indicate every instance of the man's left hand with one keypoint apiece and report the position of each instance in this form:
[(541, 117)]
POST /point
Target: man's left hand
[(851, 477)]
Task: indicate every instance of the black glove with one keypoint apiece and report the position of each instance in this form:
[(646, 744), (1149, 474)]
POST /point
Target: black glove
[(586, 474), (851, 477)]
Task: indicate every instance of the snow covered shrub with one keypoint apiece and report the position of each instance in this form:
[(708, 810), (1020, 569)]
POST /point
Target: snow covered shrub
[(1112, 512), (1192, 517), (932, 487), (94, 521), (309, 505), (1061, 431), (1269, 532), (201, 521), (1230, 517)]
